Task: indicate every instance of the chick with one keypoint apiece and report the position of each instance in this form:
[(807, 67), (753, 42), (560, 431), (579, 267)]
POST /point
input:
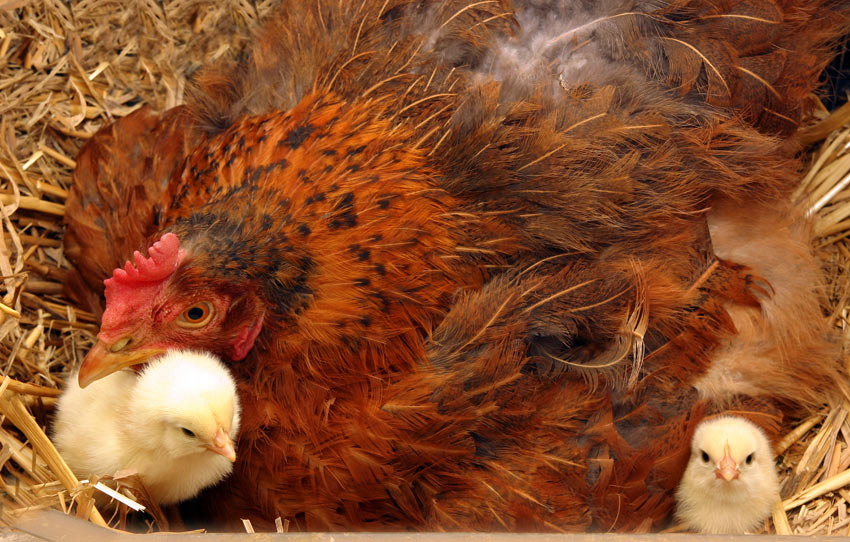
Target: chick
[(173, 424), (730, 484)]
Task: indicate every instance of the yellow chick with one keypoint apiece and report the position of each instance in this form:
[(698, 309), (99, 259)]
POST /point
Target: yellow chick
[(730, 484), (173, 424)]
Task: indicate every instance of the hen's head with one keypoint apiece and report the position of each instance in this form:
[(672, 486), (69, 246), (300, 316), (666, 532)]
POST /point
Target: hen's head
[(159, 304), (730, 484), (324, 225)]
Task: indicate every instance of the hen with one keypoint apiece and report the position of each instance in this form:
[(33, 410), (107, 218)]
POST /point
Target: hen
[(466, 259), (173, 425)]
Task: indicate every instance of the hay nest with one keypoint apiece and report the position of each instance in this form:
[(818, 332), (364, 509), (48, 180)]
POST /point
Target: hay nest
[(66, 70)]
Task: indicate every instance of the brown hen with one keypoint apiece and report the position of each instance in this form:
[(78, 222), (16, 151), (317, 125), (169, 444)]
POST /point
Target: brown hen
[(476, 264)]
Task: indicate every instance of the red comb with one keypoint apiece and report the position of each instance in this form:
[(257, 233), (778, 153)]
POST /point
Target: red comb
[(132, 287), (159, 265)]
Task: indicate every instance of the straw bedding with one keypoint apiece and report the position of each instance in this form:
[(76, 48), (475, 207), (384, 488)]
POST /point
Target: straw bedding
[(68, 69)]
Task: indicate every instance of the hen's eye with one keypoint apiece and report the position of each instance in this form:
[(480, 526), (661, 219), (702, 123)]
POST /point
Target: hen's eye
[(705, 458), (187, 432), (196, 315), (749, 459)]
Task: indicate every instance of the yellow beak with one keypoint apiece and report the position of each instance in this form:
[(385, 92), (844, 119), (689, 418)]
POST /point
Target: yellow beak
[(101, 361)]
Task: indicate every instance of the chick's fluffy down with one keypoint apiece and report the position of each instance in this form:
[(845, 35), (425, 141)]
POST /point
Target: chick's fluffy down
[(708, 503), (174, 425)]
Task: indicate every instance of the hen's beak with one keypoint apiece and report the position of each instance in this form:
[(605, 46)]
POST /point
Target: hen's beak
[(727, 469), (104, 359), (222, 445)]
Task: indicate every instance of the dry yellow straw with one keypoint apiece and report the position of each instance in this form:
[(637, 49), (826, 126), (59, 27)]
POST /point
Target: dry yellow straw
[(13, 408)]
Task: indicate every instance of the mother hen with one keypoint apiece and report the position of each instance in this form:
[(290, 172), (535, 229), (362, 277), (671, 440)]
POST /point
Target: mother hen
[(460, 253)]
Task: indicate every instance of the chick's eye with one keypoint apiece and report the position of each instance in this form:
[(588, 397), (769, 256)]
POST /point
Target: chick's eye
[(705, 458), (187, 432), (195, 315), (749, 459)]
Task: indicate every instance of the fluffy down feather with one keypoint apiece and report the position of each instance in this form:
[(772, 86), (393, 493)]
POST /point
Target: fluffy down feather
[(730, 485), (776, 342), (174, 425)]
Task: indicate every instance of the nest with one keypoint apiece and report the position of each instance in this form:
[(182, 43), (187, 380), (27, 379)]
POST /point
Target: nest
[(66, 69)]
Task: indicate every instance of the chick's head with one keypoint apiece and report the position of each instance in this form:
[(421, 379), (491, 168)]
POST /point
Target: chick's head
[(727, 450), (730, 483), (186, 403)]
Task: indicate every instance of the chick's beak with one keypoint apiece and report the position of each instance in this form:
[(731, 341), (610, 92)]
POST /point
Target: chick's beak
[(104, 359), (222, 445), (727, 468)]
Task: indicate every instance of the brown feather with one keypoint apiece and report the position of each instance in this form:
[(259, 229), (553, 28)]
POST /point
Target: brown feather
[(484, 241), (121, 173)]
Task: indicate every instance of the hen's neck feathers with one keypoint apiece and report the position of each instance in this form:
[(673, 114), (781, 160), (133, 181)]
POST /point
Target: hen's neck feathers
[(326, 215)]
